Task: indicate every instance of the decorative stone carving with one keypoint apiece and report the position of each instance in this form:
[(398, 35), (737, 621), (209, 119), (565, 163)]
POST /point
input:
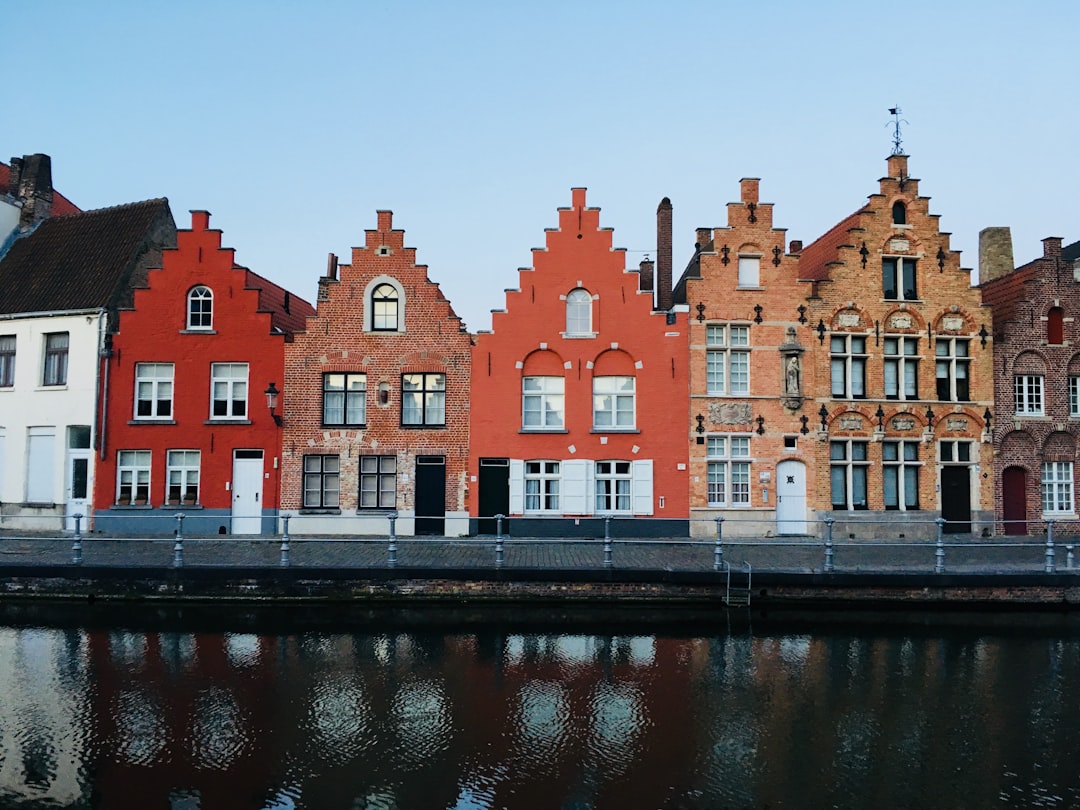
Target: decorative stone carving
[(849, 320), (903, 423), (850, 423), (956, 423), (952, 324), (730, 413), (899, 245), (900, 321)]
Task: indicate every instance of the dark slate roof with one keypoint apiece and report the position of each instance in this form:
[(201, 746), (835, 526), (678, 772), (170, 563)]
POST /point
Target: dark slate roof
[(1071, 253), (61, 205), (85, 261)]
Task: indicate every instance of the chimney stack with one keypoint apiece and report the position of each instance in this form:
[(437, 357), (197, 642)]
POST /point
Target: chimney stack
[(31, 184), (663, 255), (995, 253), (1051, 247)]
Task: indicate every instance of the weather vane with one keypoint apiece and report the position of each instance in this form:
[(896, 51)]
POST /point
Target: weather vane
[(895, 112)]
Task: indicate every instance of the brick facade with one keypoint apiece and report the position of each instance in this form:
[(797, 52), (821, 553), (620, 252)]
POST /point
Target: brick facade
[(1037, 384), (381, 324), (550, 441)]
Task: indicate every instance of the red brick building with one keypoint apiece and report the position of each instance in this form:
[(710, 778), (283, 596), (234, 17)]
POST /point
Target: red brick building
[(376, 400), (751, 452), (1037, 382), (902, 367), (579, 392), (186, 426)]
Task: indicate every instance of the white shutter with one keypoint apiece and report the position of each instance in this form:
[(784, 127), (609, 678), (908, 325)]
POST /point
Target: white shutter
[(40, 465), (590, 488), (642, 484), (573, 487), (517, 486)]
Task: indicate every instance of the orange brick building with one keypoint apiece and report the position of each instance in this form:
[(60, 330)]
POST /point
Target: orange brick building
[(751, 452), (376, 400), (902, 367), (579, 392)]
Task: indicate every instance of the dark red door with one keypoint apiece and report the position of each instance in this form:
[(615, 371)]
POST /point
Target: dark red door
[(1014, 500)]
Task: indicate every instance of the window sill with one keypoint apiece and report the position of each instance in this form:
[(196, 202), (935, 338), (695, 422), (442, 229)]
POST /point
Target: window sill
[(227, 422), (179, 506), (198, 331), (579, 335), (349, 426), (424, 427), (320, 511), (751, 287), (1059, 516), (58, 387), (614, 430), (151, 421), (544, 430), (39, 505), (131, 507)]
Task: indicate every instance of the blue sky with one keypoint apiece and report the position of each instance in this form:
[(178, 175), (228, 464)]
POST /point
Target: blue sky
[(293, 122)]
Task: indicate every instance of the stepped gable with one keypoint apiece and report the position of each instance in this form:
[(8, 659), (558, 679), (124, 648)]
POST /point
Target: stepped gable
[(85, 260), (816, 257)]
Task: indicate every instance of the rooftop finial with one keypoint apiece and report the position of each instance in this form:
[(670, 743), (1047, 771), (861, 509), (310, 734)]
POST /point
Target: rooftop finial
[(896, 112)]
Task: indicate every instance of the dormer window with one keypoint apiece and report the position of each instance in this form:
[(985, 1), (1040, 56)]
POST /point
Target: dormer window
[(384, 309), (200, 310), (579, 312), (899, 213)]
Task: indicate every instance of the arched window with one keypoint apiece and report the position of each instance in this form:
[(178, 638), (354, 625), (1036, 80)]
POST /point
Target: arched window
[(1055, 326), (899, 214), (200, 310), (579, 312), (384, 309)]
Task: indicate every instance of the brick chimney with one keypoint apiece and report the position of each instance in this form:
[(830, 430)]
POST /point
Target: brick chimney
[(1051, 247), (663, 255), (31, 184), (995, 253)]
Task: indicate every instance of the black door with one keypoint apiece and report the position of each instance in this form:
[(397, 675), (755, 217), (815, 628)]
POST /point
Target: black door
[(430, 494), (956, 499), (494, 494)]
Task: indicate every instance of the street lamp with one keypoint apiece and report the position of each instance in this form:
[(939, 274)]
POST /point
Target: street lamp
[(272, 395)]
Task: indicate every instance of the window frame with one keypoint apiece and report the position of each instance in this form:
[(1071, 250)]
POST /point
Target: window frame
[(179, 462), (852, 471), (230, 383), (748, 271), (137, 467), (617, 399), (579, 313), (847, 361), (1057, 488), (348, 396), (1028, 397), (899, 275), (156, 398), (200, 307), (727, 359), (617, 484), (951, 362), (904, 365), (543, 476), (324, 471), (381, 308), (377, 470), (431, 399), (7, 360), (54, 372), (1074, 395), (546, 401), (727, 471), (903, 465)]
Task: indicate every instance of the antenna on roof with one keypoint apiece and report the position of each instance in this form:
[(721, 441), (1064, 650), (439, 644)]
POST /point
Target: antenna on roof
[(896, 112)]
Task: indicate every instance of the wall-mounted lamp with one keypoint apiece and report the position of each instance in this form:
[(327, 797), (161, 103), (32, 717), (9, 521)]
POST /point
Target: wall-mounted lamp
[(272, 395)]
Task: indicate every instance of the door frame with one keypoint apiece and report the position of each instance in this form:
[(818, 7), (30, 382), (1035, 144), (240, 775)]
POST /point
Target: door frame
[(247, 523), (786, 524)]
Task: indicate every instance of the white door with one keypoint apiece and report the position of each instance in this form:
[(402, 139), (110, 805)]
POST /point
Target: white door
[(247, 482), (77, 488), (791, 497), (40, 466)]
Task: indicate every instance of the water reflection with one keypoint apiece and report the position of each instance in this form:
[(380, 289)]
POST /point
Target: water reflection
[(392, 714)]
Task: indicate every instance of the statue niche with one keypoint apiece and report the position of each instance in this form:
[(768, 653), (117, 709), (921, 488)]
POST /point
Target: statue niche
[(791, 386)]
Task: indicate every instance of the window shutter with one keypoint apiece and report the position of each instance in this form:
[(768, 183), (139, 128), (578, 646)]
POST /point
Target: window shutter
[(590, 488), (517, 486), (643, 487), (574, 486)]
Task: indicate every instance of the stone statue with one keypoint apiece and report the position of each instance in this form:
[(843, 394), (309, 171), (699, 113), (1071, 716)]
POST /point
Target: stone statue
[(793, 384)]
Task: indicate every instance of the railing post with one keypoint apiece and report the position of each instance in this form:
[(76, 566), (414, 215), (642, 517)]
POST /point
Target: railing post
[(1050, 566), (939, 550), (718, 551), (1069, 556), (178, 547), (285, 541), (607, 541), (76, 547), (498, 541), (829, 521), (391, 549)]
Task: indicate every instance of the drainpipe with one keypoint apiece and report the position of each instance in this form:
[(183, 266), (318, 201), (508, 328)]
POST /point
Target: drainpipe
[(101, 405)]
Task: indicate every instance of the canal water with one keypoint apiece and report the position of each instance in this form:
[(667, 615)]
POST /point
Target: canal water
[(141, 707)]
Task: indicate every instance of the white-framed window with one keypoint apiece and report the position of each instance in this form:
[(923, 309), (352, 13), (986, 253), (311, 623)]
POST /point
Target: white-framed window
[(749, 271), (541, 486), (728, 470), (385, 308), (56, 359), (423, 399), (848, 463), (7, 361), (182, 474), (200, 308), (847, 362), (613, 486), (542, 403), (1074, 396), (900, 474), (378, 482), (727, 359), (322, 481), (579, 312), (153, 390), (954, 452), (344, 399), (228, 390), (898, 278), (1057, 488), (133, 477), (613, 402), (901, 367), (952, 360), (1028, 394)]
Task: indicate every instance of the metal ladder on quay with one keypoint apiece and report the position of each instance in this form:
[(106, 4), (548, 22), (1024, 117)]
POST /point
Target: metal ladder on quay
[(737, 593)]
